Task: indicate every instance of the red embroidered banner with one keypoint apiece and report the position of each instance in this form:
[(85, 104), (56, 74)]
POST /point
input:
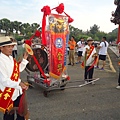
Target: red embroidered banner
[(58, 26)]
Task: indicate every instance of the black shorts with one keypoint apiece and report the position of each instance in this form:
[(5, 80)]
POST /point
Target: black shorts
[(79, 53), (102, 57)]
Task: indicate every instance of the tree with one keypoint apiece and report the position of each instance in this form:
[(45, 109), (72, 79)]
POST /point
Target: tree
[(34, 27), (0, 25), (100, 34), (5, 25), (94, 29), (16, 25), (11, 28)]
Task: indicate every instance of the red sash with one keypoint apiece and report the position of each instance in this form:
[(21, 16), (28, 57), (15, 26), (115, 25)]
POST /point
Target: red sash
[(6, 102), (87, 56)]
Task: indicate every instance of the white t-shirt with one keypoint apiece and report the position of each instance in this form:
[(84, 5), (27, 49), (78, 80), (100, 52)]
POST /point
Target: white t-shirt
[(15, 47), (81, 45), (90, 60), (103, 49)]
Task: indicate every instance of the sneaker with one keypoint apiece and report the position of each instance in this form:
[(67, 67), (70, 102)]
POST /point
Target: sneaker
[(93, 83), (118, 87), (73, 64), (86, 82), (102, 68), (69, 63), (96, 67)]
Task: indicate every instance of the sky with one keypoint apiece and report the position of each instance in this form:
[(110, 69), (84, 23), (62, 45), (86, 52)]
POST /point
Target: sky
[(85, 13)]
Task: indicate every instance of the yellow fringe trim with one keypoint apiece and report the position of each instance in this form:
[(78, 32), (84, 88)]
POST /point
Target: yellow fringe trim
[(56, 76)]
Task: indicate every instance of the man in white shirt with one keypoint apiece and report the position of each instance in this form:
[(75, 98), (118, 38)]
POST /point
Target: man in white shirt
[(11, 85), (80, 47), (102, 52)]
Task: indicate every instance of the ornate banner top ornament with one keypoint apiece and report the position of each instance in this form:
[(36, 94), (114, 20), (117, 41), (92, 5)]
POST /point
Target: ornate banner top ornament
[(47, 11)]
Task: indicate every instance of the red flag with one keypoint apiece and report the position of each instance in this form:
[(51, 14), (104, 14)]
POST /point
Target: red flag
[(118, 38)]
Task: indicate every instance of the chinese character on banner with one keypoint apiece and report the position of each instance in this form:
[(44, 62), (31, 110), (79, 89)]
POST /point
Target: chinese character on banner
[(59, 68), (9, 90), (59, 56), (15, 75), (0, 95), (6, 96)]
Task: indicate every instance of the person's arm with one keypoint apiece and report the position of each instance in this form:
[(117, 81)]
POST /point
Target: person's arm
[(78, 45), (24, 62), (84, 51), (100, 46)]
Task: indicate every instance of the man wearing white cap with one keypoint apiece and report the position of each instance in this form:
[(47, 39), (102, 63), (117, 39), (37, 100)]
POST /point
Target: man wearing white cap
[(10, 84)]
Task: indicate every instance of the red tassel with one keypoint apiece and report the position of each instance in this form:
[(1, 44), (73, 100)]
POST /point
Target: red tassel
[(60, 8), (47, 11), (68, 78), (43, 30), (37, 33), (69, 18), (47, 82), (28, 42)]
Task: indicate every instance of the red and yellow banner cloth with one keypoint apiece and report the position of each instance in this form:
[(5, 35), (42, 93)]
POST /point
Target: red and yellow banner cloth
[(6, 102), (58, 26)]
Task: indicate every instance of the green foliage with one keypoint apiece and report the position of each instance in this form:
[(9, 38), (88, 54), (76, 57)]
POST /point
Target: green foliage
[(94, 32), (17, 29), (19, 38), (94, 29), (25, 31)]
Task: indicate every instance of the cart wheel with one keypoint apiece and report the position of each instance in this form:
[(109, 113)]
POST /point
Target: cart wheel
[(45, 93), (62, 87)]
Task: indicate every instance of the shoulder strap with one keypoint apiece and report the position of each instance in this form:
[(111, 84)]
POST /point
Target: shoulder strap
[(105, 44)]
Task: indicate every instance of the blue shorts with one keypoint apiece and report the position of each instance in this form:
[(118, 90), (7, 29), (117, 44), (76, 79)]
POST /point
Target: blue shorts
[(102, 57), (79, 53)]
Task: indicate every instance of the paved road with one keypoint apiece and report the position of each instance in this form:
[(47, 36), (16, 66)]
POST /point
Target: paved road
[(92, 102)]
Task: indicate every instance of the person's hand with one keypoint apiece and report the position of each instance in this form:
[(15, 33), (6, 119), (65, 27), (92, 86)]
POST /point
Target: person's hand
[(23, 86), (94, 55), (79, 47), (25, 56)]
